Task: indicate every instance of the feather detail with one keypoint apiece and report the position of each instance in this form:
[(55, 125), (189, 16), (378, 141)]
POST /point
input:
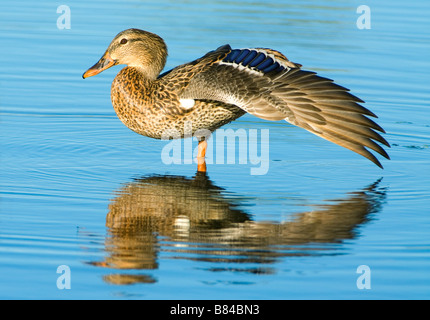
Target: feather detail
[(263, 82)]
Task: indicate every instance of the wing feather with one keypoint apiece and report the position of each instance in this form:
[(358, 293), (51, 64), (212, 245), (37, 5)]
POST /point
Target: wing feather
[(263, 82)]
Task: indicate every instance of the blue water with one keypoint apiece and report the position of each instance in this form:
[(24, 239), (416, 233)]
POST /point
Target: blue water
[(79, 189)]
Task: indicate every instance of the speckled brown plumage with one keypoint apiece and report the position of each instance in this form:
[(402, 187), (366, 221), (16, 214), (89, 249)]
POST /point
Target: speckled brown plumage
[(152, 108), (225, 84)]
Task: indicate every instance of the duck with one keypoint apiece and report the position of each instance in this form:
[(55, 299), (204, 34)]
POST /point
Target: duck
[(196, 98)]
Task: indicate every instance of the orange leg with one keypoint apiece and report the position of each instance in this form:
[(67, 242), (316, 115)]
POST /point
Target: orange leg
[(201, 163)]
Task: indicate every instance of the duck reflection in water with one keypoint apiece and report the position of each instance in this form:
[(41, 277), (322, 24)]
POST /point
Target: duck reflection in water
[(191, 218)]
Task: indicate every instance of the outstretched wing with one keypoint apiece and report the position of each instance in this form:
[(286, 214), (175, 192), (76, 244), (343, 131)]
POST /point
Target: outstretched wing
[(265, 83)]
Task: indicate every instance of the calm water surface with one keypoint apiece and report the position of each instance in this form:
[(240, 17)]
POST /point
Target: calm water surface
[(80, 189)]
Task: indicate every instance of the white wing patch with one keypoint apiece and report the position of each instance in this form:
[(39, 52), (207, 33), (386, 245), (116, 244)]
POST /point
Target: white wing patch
[(187, 103)]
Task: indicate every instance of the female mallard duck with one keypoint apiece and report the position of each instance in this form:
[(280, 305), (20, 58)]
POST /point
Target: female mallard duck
[(222, 86)]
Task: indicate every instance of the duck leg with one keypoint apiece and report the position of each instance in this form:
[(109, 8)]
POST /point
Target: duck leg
[(201, 163)]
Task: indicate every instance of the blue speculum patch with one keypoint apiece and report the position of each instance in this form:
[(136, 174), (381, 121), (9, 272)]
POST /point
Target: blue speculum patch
[(253, 59)]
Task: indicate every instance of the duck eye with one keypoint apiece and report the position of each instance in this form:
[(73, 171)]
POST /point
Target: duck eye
[(123, 41)]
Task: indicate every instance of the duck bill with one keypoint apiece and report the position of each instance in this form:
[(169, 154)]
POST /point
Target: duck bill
[(104, 63)]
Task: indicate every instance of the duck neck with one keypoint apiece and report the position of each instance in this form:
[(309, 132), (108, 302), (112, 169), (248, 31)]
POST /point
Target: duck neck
[(149, 73), (150, 65)]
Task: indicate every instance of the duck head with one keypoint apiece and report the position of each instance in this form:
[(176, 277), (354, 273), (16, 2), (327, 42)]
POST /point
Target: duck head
[(136, 48)]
